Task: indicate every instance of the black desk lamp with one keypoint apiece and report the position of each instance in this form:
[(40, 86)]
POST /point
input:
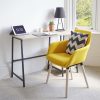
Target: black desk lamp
[(59, 13)]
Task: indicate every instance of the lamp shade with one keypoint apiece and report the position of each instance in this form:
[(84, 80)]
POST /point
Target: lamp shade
[(59, 13)]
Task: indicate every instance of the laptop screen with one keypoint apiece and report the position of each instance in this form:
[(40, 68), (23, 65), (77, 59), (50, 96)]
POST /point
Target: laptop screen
[(19, 29)]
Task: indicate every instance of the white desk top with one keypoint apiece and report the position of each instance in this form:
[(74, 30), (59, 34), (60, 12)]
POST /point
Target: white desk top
[(49, 34), (23, 37)]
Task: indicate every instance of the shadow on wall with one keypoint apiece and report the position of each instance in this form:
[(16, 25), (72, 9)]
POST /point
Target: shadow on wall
[(5, 46), (50, 16)]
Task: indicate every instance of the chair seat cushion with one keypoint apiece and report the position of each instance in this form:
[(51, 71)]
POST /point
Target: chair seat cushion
[(60, 59), (77, 40)]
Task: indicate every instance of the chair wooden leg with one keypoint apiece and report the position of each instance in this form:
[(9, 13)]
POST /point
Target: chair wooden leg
[(71, 74), (66, 91), (49, 71), (84, 74)]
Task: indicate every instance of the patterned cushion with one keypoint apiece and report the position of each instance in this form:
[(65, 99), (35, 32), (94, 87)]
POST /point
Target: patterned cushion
[(77, 40)]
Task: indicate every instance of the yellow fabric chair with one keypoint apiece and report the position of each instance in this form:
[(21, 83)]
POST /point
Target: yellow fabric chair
[(57, 55)]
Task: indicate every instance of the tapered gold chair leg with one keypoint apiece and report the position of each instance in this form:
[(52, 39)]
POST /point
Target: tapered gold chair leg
[(49, 71), (66, 91), (84, 74)]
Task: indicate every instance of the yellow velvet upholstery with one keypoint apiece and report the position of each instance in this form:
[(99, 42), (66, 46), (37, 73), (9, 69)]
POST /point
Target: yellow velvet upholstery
[(57, 52)]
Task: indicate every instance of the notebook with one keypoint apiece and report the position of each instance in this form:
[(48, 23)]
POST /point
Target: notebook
[(40, 34)]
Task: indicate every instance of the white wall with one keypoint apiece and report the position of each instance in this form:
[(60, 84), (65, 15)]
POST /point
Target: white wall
[(33, 14), (94, 52)]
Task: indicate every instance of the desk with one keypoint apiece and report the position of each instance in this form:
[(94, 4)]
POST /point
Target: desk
[(21, 38)]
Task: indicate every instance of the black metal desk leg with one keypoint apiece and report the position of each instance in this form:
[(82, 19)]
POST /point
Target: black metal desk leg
[(62, 72), (77, 68), (22, 64), (60, 37), (12, 48), (49, 45), (63, 37), (62, 68)]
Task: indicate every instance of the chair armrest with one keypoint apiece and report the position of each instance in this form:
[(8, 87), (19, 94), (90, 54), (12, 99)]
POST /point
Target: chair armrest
[(79, 55), (58, 47)]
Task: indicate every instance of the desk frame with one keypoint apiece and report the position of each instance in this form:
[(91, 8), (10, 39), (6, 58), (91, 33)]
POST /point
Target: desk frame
[(22, 60)]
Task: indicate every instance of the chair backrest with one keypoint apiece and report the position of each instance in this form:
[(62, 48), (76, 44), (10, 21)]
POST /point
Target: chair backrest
[(77, 58), (85, 32)]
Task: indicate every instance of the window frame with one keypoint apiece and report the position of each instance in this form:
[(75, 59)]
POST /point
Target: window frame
[(70, 5)]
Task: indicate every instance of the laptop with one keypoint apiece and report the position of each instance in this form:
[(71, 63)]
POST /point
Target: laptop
[(19, 30)]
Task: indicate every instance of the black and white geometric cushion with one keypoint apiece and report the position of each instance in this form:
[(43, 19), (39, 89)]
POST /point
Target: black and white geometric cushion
[(77, 40)]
